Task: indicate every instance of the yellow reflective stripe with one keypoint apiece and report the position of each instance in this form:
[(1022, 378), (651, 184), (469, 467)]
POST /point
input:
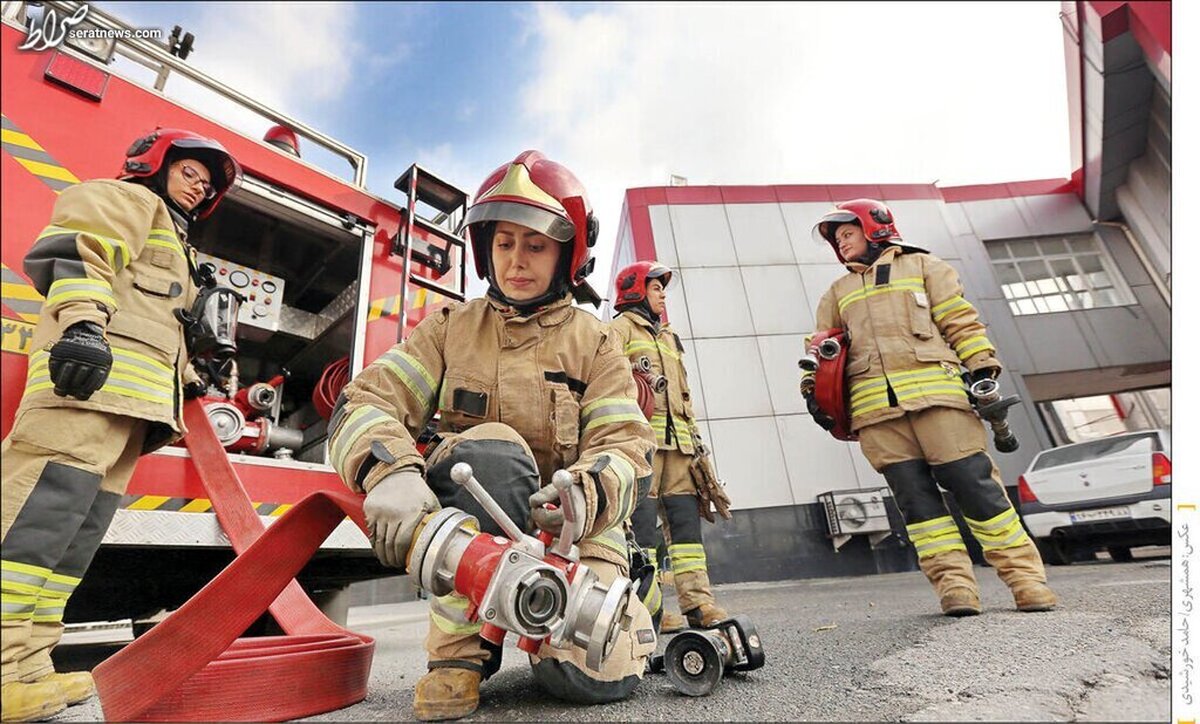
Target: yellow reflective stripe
[(1001, 531), (27, 568), (639, 346), (972, 346), (687, 557), (624, 472), (138, 357), (141, 382), (173, 246), (907, 284), (165, 234), (931, 524), (62, 583), (941, 311), (933, 550), (613, 539), (653, 598), (608, 410), (897, 377), (118, 385), (667, 351), (360, 421), (449, 614), (17, 606), (111, 245), (456, 629), (996, 522), (81, 288), (412, 374)]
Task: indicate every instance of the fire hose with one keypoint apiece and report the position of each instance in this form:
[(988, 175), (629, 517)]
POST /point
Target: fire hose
[(333, 379), (193, 666)]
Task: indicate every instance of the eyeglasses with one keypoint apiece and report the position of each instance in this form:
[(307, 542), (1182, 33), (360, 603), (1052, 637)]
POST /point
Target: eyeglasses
[(192, 176)]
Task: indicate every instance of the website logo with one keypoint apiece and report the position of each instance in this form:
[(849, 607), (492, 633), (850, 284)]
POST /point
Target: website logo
[(52, 29)]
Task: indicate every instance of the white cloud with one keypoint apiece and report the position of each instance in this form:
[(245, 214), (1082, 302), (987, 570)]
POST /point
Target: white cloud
[(797, 93)]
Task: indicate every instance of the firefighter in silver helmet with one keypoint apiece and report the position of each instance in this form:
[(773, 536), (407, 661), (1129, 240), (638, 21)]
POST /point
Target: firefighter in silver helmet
[(106, 377), (525, 384), (676, 495), (910, 331)]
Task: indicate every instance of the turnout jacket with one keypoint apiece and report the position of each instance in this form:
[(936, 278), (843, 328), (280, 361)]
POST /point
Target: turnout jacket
[(556, 376), (674, 422), (910, 330), (113, 255)]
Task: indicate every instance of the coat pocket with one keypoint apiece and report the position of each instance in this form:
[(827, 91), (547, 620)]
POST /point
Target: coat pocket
[(157, 286), (920, 318), (566, 419)]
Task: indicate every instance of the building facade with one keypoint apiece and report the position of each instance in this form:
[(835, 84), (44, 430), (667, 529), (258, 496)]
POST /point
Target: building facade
[(1071, 276)]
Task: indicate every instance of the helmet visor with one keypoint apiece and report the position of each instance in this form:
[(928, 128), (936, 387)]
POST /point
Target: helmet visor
[(540, 220), (661, 273), (823, 230)]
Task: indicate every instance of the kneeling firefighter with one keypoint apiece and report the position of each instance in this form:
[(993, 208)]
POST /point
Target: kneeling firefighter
[(524, 384), (106, 376), (910, 330), (684, 487)]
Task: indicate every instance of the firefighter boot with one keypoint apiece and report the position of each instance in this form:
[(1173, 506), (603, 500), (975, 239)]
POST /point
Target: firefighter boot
[(705, 615), (1020, 567), (446, 693), (76, 686), (30, 702), (953, 582), (671, 623)]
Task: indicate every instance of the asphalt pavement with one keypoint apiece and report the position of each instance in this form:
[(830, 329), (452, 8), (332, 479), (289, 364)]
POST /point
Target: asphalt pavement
[(871, 648)]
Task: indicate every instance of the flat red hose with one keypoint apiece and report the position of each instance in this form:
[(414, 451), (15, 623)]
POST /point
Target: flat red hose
[(193, 666)]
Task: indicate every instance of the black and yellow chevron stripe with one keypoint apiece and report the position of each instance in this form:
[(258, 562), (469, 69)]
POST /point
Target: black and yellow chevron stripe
[(33, 157), (193, 505)]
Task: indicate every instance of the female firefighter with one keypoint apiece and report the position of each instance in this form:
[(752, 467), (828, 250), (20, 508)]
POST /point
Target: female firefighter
[(105, 381), (910, 330), (640, 298), (525, 384)]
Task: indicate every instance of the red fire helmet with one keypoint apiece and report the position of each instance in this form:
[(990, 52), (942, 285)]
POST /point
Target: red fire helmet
[(630, 283), (146, 156), (545, 196), (874, 216)]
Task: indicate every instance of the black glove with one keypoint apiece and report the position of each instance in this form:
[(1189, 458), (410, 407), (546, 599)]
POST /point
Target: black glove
[(825, 421), (80, 361), (194, 389), (985, 373)]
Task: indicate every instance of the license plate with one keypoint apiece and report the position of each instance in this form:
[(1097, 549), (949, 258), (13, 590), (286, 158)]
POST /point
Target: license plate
[(1086, 516)]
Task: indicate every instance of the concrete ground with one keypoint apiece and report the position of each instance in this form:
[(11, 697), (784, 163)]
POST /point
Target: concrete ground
[(870, 648)]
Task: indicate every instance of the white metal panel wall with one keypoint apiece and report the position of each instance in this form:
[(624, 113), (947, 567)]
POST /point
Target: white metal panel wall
[(677, 310), (922, 224), (778, 303), (702, 235), (816, 463), (752, 463), (759, 235), (732, 371), (664, 235), (799, 219), (717, 302), (779, 356)]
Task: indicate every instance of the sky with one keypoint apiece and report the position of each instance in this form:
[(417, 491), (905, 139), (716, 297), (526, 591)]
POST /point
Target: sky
[(625, 95)]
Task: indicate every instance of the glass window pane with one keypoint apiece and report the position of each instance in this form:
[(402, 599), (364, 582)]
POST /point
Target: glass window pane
[(1053, 246), (1083, 244), (1023, 248), (1007, 273), (1047, 286), (1042, 306), (1012, 307), (1057, 303), (1016, 290), (1090, 262), (1085, 300), (1075, 282), (1073, 301), (997, 249), (1107, 298), (1099, 279), (1033, 270), (1026, 306)]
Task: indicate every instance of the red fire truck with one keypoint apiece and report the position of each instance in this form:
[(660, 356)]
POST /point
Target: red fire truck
[(333, 275)]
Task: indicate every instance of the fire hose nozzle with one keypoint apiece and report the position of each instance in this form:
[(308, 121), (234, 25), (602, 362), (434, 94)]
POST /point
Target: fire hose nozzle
[(808, 362), (993, 409), (829, 349), (642, 364)]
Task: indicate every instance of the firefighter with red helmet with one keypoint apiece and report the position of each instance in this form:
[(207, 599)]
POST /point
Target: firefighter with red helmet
[(105, 382), (910, 331), (640, 299), (524, 384)]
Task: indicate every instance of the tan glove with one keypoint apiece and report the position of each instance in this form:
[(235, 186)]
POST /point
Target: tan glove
[(552, 521), (393, 509)]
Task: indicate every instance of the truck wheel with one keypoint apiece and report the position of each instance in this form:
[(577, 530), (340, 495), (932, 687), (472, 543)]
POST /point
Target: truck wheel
[(1120, 554), (1054, 552)]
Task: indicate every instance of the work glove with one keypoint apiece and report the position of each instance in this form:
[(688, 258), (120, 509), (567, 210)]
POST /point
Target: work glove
[(985, 373), (551, 520), (825, 421), (194, 389), (80, 361), (393, 509)]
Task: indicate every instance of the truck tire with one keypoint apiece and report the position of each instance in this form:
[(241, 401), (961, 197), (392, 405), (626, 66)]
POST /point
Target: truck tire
[(1120, 554), (1054, 551)]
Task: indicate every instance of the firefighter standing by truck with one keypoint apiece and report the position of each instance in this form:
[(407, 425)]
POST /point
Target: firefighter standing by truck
[(910, 330), (106, 377), (525, 384), (676, 495)]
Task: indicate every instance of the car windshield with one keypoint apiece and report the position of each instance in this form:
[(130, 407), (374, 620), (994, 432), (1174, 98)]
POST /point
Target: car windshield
[(1106, 447)]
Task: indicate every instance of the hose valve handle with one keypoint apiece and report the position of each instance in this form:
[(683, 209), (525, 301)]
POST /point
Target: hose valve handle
[(562, 481), (462, 474)]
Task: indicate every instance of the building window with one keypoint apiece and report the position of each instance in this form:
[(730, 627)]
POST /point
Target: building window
[(1057, 274)]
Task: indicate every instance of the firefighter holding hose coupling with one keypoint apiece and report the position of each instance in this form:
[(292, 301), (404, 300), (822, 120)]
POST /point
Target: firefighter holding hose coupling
[(106, 378), (910, 331), (684, 487), (525, 384)]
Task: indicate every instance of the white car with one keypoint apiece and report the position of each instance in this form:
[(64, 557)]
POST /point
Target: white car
[(1113, 493)]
